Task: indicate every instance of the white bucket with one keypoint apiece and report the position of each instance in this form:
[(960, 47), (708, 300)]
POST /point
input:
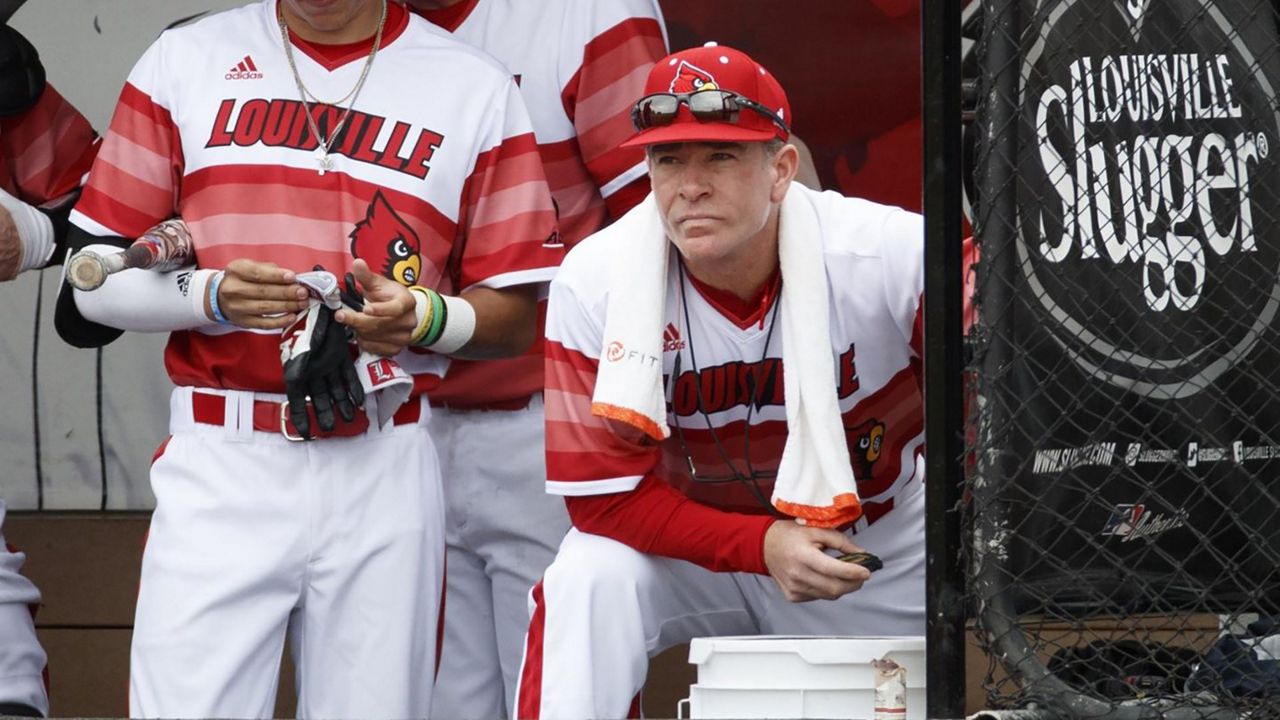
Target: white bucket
[(798, 677)]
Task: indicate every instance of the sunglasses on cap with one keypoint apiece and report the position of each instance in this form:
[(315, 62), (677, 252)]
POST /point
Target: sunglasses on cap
[(660, 109)]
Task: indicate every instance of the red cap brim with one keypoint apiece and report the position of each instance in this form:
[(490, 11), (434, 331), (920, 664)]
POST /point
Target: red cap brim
[(694, 131)]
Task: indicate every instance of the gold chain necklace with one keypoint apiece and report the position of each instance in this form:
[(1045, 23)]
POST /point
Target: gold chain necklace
[(323, 144)]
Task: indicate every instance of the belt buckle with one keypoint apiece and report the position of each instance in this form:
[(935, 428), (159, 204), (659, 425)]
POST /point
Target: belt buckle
[(284, 423)]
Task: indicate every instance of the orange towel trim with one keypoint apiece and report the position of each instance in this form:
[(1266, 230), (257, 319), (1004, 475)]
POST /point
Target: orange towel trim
[(641, 422), (843, 510)]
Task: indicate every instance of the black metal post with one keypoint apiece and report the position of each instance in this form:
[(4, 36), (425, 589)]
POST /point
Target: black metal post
[(943, 357)]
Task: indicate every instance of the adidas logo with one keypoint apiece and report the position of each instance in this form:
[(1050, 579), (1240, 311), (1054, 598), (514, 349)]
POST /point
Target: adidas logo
[(244, 70), (671, 339)]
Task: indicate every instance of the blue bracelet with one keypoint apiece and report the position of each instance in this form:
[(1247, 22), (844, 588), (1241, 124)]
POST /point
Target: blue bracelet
[(214, 282)]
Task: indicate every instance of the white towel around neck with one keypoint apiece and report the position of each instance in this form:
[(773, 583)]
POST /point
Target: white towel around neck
[(815, 480)]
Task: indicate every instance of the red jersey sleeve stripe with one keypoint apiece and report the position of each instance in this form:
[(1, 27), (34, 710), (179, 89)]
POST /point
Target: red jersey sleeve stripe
[(514, 261), (503, 232), (516, 204), (116, 216), (629, 196), (579, 362), (516, 160), (581, 446), (624, 33), (607, 164), (143, 183), (50, 148), (501, 238), (599, 96), (45, 164), (143, 121), (134, 183)]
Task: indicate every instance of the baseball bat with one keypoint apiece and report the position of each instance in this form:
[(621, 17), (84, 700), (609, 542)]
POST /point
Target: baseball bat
[(165, 247)]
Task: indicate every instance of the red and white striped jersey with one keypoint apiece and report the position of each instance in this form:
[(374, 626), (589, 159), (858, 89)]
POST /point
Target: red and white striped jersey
[(580, 65), (46, 151), (436, 178), (724, 378)]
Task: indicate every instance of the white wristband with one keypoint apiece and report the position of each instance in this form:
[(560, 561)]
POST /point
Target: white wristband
[(197, 288), (35, 232), (459, 326)]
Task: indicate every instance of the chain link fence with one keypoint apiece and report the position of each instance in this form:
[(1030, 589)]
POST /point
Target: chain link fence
[(1123, 509)]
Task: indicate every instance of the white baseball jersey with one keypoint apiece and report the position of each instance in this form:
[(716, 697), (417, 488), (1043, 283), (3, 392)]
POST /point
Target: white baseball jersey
[(580, 65), (604, 607), (874, 268), (436, 180)]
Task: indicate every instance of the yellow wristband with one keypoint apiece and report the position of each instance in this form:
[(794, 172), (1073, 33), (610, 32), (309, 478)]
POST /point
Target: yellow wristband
[(423, 311)]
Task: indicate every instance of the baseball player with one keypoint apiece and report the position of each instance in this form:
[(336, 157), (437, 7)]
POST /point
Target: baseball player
[(681, 537), (46, 147), (287, 134), (578, 63)]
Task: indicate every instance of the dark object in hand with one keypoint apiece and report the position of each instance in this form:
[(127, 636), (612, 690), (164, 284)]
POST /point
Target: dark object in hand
[(865, 559)]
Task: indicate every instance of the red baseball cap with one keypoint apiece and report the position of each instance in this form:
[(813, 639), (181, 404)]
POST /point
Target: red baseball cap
[(715, 67)]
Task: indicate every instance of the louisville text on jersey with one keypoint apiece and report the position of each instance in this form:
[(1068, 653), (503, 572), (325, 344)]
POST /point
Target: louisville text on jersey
[(281, 123), (738, 383)]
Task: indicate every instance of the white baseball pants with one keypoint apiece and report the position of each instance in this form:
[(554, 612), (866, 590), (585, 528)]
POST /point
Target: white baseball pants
[(603, 609), (22, 660), (502, 533), (340, 540)]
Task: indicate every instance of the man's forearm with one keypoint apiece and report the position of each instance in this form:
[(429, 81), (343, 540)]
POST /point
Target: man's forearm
[(134, 300), (656, 519), (506, 322)]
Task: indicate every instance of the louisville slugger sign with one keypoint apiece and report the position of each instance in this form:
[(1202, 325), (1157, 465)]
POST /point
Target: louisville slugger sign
[(1142, 311), (1147, 170)]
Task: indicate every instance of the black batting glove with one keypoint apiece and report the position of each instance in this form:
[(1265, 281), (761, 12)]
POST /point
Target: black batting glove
[(318, 364)]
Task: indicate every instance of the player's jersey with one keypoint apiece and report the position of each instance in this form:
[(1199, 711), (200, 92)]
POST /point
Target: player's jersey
[(580, 65), (436, 179), (46, 151), (874, 267)]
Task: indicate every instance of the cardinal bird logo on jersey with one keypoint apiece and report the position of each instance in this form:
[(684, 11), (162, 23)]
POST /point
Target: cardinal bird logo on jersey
[(865, 450), (690, 78), (387, 243)]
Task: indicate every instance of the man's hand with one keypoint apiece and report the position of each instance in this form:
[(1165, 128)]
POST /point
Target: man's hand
[(259, 295), (10, 247), (387, 321), (795, 558)]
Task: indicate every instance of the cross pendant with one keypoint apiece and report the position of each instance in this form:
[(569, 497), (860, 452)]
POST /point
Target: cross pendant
[(322, 158)]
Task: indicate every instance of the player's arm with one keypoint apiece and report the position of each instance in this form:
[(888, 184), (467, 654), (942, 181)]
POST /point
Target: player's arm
[(47, 146), (605, 469), (902, 248), (482, 323), (117, 206), (27, 237), (505, 218), (608, 48)]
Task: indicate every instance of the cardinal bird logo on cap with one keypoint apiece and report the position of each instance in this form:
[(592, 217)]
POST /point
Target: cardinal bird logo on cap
[(387, 243), (690, 78)]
